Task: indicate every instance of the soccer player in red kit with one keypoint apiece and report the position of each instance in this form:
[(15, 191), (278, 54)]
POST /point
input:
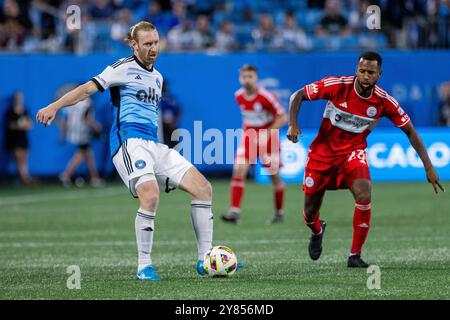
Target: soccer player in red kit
[(262, 116), (337, 158)]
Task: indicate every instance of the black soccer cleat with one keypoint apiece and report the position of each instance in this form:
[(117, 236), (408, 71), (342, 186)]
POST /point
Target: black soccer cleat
[(277, 218), (231, 217), (355, 261), (315, 242)]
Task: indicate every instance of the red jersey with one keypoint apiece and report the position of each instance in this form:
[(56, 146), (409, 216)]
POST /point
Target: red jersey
[(258, 111), (349, 118)]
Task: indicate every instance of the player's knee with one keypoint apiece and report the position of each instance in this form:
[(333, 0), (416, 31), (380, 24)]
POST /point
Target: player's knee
[(310, 210), (239, 173), (363, 196), (149, 201), (362, 190), (205, 190), (148, 196)]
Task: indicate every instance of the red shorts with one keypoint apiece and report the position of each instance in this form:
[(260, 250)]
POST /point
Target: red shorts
[(338, 173), (266, 148)]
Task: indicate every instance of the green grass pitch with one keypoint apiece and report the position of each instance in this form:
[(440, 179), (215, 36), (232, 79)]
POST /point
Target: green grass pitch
[(45, 230)]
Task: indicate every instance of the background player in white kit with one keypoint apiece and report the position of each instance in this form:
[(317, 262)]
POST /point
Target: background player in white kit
[(135, 88)]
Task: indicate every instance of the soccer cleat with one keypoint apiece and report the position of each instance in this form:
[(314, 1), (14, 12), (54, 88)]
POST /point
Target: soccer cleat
[(98, 183), (200, 269), (277, 218), (66, 182), (231, 216), (355, 261), (315, 242), (240, 265), (148, 273)]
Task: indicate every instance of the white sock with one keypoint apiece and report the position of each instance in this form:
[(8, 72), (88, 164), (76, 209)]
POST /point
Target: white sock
[(144, 226), (202, 221)]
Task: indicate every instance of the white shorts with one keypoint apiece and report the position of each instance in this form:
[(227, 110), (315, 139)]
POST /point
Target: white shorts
[(138, 158)]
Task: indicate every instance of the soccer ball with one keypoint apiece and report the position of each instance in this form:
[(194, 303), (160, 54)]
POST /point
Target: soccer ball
[(220, 261)]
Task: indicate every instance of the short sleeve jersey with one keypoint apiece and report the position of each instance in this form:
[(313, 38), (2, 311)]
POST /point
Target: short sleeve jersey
[(135, 96), (348, 117)]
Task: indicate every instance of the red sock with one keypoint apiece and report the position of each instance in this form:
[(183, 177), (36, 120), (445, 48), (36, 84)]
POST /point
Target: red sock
[(361, 225), (314, 223), (278, 193), (237, 191)]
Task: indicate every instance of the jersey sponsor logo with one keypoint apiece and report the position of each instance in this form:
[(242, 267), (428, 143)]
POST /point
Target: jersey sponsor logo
[(256, 119), (309, 182), (346, 121), (150, 97), (372, 111), (140, 164)]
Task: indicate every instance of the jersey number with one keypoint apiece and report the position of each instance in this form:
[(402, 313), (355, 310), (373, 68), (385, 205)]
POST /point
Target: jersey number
[(360, 155)]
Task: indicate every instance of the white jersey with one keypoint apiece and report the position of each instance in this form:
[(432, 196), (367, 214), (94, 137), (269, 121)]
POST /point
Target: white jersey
[(135, 96), (78, 130)]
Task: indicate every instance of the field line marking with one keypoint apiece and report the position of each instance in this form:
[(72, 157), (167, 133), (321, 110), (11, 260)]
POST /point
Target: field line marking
[(60, 196)]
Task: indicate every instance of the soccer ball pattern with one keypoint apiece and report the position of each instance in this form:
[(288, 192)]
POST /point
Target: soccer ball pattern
[(220, 261)]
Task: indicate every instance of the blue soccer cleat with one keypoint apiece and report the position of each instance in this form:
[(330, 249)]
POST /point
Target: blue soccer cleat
[(148, 273), (200, 270)]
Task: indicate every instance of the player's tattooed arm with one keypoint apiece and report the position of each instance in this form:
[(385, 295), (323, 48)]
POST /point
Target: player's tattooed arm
[(47, 115), (418, 145), (295, 102)]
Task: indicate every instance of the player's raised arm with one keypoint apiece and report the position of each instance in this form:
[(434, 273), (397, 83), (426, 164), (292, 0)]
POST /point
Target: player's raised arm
[(418, 145), (295, 102), (47, 115)]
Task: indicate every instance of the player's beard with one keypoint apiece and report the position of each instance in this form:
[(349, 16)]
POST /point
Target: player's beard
[(365, 87)]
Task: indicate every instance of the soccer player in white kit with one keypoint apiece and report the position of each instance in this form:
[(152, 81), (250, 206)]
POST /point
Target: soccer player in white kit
[(135, 87)]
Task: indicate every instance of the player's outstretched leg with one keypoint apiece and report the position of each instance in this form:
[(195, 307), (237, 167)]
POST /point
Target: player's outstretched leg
[(311, 216), (361, 190), (278, 195), (148, 193), (201, 212)]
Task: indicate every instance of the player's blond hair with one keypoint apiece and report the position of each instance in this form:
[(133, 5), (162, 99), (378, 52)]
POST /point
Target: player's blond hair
[(140, 26)]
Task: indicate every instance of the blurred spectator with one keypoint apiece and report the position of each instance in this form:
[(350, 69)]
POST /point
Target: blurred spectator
[(264, 35), (184, 37), (79, 127), (178, 11), (333, 22), (357, 18), (46, 14), (13, 26), (170, 114), (204, 29), (225, 37), (291, 37), (444, 116), (17, 123), (101, 9), (316, 4), (39, 25), (163, 22), (122, 25)]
